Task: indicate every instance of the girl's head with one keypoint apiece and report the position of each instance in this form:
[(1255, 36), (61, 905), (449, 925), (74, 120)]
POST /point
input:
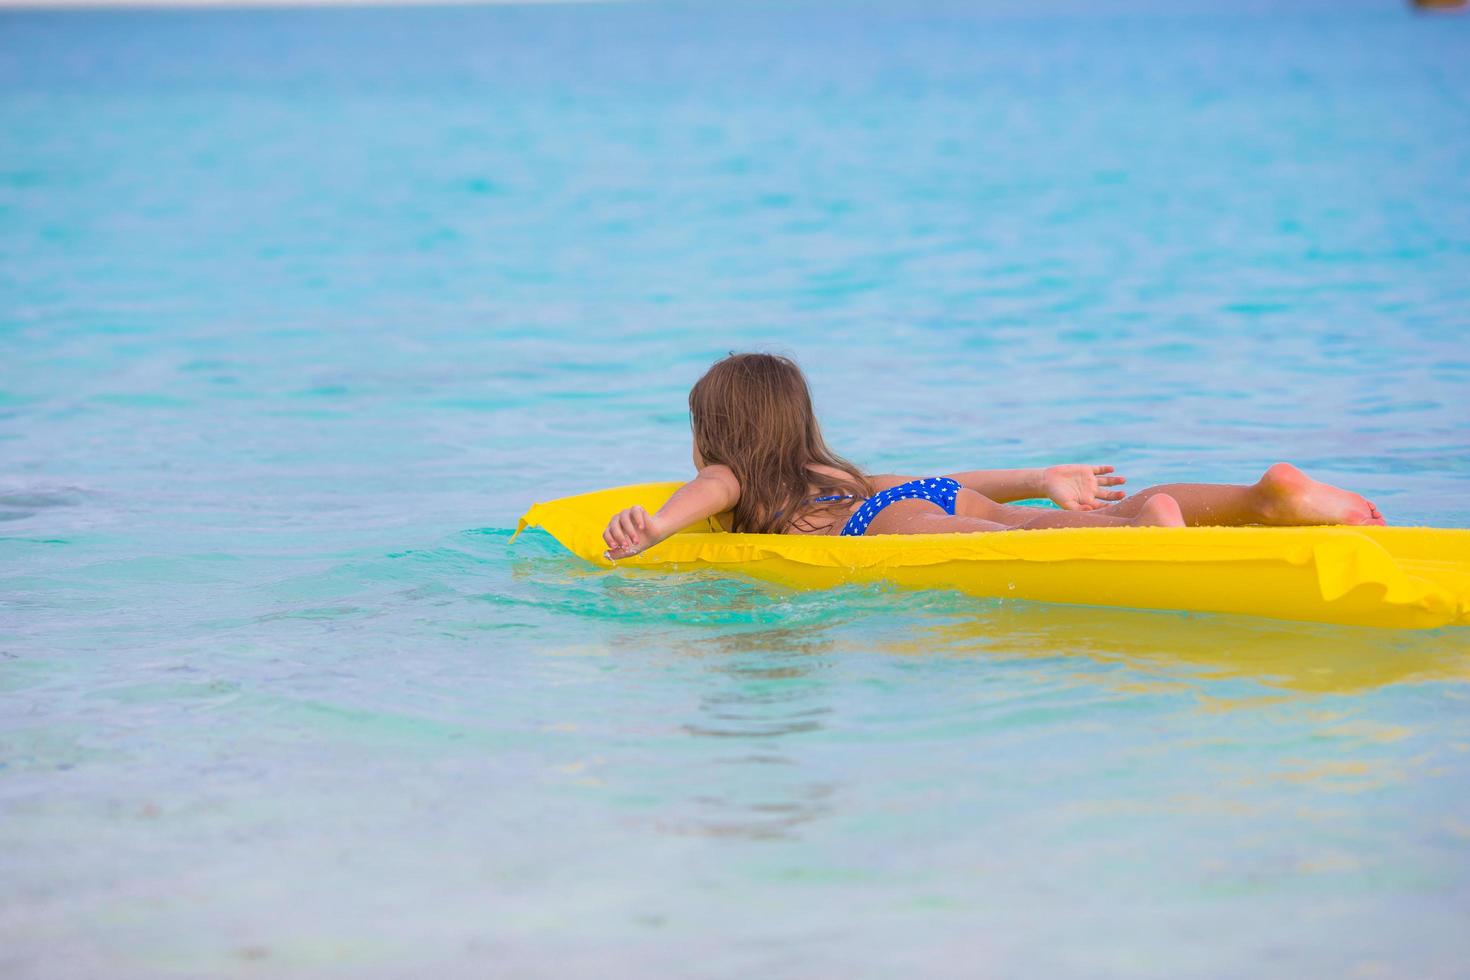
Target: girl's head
[(753, 413)]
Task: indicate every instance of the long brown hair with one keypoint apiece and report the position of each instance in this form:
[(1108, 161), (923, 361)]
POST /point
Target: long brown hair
[(753, 413)]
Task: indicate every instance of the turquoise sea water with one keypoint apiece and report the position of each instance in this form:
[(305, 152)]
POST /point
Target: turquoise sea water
[(299, 310)]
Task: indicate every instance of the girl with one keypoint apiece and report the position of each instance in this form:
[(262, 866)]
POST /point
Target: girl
[(764, 468)]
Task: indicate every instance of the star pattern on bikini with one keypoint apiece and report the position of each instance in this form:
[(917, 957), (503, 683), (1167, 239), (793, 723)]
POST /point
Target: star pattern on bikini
[(939, 490)]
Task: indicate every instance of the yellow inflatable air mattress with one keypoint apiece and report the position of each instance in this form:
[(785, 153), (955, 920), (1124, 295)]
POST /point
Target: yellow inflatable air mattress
[(1395, 577)]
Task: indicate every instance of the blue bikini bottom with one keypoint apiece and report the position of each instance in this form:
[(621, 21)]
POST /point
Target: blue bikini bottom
[(939, 490)]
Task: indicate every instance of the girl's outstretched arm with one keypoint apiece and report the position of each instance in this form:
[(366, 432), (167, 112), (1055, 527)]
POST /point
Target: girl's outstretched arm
[(714, 491), (1072, 486)]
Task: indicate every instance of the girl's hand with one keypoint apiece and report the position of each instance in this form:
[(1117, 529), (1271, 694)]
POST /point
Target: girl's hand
[(1076, 486), (629, 532)]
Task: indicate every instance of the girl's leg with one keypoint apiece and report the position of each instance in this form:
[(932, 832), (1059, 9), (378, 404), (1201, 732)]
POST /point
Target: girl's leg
[(1284, 495), (1159, 510)]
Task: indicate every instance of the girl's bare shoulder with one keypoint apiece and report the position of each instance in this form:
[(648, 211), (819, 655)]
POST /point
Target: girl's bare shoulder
[(720, 472)]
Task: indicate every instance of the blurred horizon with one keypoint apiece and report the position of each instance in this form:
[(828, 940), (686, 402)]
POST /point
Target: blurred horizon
[(33, 5), (1246, 7)]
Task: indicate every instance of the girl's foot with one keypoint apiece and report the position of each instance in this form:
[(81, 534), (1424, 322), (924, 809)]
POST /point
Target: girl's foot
[(1289, 496), (1160, 510)]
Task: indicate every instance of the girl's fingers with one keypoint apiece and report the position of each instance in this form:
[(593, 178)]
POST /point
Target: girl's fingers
[(1100, 470), (1112, 481), (1112, 495), (624, 533)]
